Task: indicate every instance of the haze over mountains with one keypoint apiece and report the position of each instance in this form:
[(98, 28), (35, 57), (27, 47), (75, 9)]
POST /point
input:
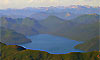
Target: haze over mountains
[(83, 26), (86, 25), (41, 13), (79, 23)]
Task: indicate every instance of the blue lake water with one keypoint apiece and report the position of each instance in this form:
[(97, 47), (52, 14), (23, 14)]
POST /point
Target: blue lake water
[(52, 44)]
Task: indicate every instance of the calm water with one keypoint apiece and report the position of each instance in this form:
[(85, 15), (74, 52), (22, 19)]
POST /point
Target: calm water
[(52, 44)]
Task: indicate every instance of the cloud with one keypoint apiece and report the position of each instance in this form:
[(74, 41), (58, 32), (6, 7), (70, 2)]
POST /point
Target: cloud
[(30, 1), (6, 1), (52, 0)]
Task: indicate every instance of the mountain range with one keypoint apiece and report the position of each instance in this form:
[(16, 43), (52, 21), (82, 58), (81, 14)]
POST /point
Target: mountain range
[(86, 25), (83, 26), (40, 13), (74, 22)]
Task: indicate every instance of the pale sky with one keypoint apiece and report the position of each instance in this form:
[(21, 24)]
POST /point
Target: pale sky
[(4, 4)]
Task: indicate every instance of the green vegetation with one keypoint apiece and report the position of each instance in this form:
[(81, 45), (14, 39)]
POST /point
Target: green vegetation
[(91, 45), (26, 26), (11, 37), (81, 28), (86, 25), (14, 52)]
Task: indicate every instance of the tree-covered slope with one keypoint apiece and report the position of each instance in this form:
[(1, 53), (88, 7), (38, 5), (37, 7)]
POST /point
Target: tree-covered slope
[(51, 24), (26, 26), (14, 52), (83, 26), (91, 45), (86, 25), (11, 37), (86, 19)]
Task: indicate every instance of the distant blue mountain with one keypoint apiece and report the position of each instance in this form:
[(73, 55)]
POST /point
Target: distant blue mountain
[(41, 13)]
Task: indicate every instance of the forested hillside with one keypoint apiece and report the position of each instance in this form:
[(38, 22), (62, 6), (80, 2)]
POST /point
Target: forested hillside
[(9, 36), (91, 45), (14, 52)]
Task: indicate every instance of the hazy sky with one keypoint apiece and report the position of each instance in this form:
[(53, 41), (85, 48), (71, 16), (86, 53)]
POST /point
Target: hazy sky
[(45, 3)]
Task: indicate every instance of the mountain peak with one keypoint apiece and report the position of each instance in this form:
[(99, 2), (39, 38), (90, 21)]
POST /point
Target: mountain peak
[(53, 18), (93, 14)]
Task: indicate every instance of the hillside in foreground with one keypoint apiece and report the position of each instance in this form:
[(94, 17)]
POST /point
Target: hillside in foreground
[(91, 45), (14, 52)]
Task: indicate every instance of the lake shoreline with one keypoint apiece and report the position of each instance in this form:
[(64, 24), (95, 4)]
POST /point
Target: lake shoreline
[(52, 44)]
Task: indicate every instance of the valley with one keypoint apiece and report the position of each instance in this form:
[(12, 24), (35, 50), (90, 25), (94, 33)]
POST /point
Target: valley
[(49, 30), (75, 29), (78, 29), (62, 34)]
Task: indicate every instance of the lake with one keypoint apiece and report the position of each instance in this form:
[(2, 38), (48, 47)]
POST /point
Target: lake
[(52, 44)]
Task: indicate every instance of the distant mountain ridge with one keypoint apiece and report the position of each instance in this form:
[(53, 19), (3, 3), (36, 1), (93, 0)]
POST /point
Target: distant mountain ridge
[(41, 13)]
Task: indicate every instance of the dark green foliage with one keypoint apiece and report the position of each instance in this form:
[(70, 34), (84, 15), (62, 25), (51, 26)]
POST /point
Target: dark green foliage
[(26, 26), (86, 25), (12, 52), (81, 28), (11, 37), (91, 45)]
